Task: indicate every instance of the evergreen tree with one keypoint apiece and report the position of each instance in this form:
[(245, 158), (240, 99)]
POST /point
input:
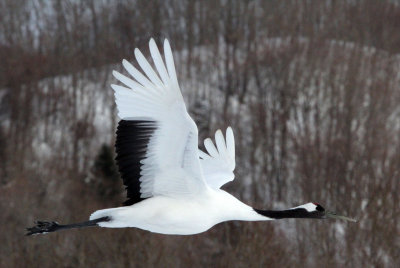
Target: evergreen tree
[(106, 173)]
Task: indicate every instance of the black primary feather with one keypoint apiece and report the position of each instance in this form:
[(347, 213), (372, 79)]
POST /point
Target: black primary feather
[(133, 137)]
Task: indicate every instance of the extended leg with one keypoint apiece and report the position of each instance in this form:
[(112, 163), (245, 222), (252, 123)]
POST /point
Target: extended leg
[(43, 227)]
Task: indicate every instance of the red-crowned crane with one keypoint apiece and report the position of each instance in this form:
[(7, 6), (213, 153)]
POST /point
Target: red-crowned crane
[(172, 186)]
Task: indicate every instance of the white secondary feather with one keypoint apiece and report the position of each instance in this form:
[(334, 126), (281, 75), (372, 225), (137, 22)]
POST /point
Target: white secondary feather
[(171, 166), (219, 163)]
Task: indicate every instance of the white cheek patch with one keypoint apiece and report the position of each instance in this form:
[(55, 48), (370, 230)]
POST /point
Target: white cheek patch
[(309, 207)]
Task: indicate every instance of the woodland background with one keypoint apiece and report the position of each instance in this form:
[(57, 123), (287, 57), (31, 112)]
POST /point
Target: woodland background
[(311, 89)]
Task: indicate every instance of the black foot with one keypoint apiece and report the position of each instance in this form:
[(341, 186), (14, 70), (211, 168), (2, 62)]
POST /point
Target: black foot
[(43, 227)]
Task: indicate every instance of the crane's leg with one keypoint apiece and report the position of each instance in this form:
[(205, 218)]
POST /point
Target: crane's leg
[(43, 227)]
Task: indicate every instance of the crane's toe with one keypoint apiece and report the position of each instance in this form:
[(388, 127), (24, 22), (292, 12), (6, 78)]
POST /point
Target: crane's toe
[(42, 227)]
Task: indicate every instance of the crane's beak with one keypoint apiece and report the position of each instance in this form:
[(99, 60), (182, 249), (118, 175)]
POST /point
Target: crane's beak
[(333, 215)]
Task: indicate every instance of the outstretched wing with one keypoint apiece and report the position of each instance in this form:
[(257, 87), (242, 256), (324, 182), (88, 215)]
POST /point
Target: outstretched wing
[(219, 163), (156, 141)]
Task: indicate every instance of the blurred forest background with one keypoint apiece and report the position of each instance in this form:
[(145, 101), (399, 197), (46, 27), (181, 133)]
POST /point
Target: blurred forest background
[(311, 89)]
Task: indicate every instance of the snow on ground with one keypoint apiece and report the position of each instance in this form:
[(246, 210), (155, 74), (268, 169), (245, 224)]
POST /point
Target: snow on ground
[(63, 120)]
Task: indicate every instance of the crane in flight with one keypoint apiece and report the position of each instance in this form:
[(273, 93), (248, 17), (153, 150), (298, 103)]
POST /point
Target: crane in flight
[(172, 186)]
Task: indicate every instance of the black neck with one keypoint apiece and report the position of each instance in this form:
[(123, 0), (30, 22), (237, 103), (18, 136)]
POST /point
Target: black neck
[(283, 214)]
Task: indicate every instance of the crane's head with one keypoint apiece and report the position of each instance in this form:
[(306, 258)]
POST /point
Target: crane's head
[(315, 210)]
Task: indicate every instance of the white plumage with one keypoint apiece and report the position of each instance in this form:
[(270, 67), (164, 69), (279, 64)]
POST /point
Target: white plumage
[(172, 186), (180, 181)]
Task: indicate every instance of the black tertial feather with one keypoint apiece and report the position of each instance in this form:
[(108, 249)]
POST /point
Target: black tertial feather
[(133, 137)]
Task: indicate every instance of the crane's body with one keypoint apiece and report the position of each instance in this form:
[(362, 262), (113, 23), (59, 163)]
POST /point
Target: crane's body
[(182, 216), (172, 186)]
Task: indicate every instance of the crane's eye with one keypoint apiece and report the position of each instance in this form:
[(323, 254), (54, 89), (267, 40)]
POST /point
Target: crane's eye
[(319, 208)]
